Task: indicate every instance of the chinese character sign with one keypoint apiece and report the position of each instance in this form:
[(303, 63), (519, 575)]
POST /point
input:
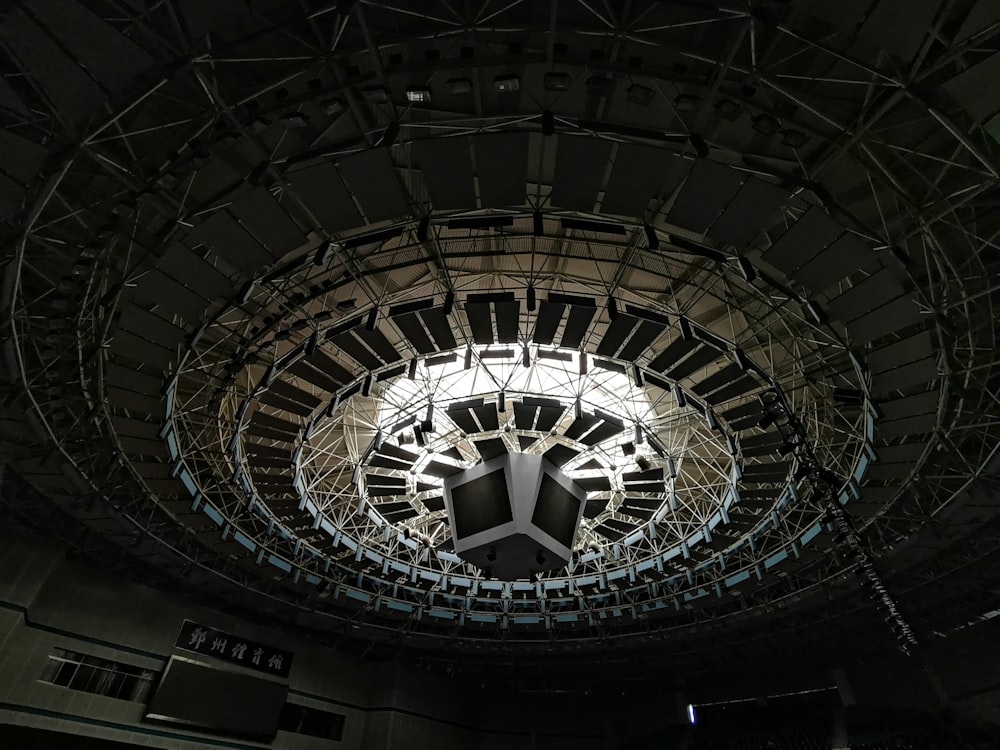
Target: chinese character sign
[(234, 650)]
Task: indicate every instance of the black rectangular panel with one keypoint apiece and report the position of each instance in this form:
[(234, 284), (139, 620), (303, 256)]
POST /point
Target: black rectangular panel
[(378, 343), (234, 703), (447, 168), (481, 504), (491, 448), (744, 217), (603, 431), (580, 166), (556, 511), (672, 354), (261, 212), (502, 163), (463, 418), (708, 188), (638, 174), (230, 240), (694, 362), (524, 416), (409, 325), (618, 330), (738, 387), (645, 335), (846, 255), (804, 240), (346, 342), (581, 425), (487, 416), (549, 316), (437, 323), (559, 454), (713, 382), (481, 321), (372, 177), (577, 326), (547, 417), (507, 321), (323, 192)]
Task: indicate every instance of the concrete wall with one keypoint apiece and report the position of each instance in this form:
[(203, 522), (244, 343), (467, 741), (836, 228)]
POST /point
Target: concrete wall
[(47, 602)]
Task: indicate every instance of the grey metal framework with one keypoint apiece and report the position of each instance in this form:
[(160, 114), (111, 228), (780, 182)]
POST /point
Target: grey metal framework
[(233, 229)]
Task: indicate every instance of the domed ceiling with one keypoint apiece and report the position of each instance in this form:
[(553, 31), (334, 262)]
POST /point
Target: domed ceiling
[(277, 270)]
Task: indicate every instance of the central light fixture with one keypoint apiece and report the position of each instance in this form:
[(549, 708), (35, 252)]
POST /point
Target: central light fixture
[(514, 516)]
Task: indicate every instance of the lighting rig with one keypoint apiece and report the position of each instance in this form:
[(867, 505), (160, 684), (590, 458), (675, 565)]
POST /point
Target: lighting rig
[(826, 486)]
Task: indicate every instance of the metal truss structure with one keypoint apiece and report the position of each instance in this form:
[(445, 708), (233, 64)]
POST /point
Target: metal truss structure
[(235, 232)]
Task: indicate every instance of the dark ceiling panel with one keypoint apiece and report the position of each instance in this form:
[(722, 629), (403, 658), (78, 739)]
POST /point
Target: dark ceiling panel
[(559, 454), (549, 316), (894, 316), (491, 448), (900, 26), (487, 416), (579, 173), (481, 321), (614, 337), (694, 362), (507, 314), (637, 176), (577, 326), (372, 177), (547, 417), (160, 289), (447, 168), (803, 241), (268, 221), (323, 192), (190, 268), (379, 344), (737, 388), (225, 236), (409, 325), (709, 187), (439, 327), (975, 87), (524, 416), (110, 56), (866, 295), (846, 255), (677, 349), (502, 167), (348, 343), (744, 217), (647, 332), (68, 87), (20, 158), (901, 352)]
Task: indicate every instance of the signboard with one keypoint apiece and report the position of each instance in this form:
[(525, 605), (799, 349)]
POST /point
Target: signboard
[(227, 647)]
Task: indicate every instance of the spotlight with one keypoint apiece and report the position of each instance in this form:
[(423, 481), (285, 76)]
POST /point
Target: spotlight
[(346, 305), (459, 86), (491, 555), (628, 449), (389, 134), (507, 83), (642, 463), (538, 228), (540, 558), (525, 357), (312, 343), (641, 95), (418, 94), (449, 303), (557, 81), (531, 297)]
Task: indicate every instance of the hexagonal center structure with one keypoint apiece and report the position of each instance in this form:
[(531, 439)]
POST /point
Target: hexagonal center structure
[(514, 516)]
